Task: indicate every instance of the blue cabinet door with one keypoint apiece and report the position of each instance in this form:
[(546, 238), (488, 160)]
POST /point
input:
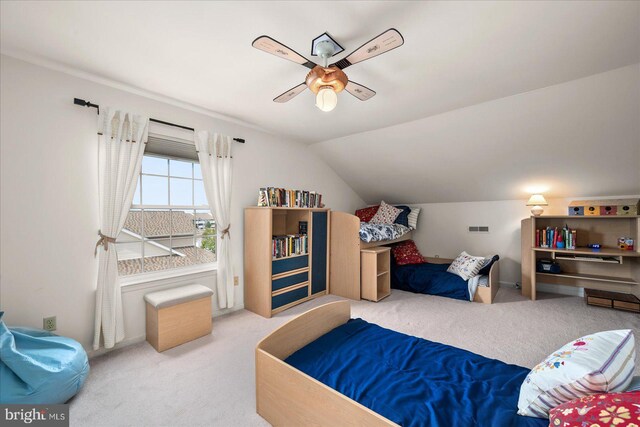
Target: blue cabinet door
[(319, 252)]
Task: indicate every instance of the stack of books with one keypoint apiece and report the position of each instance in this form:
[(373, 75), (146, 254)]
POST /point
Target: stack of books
[(552, 237), (282, 197), (289, 245)]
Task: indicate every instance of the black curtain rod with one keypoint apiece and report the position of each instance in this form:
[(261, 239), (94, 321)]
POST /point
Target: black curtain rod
[(84, 103)]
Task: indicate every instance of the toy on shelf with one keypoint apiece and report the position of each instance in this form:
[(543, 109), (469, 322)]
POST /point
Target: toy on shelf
[(609, 207), (626, 243)]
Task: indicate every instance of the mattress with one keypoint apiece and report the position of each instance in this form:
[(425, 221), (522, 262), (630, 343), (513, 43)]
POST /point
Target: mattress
[(415, 382)]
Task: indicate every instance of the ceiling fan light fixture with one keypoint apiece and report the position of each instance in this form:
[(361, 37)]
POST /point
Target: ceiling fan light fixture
[(326, 99), (320, 77)]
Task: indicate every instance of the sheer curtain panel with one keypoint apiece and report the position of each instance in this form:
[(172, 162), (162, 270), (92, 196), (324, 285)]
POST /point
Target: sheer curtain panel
[(121, 140), (214, 153)]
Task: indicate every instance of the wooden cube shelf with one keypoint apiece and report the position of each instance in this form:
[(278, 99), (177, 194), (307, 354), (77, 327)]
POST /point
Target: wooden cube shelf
[(375, 273)]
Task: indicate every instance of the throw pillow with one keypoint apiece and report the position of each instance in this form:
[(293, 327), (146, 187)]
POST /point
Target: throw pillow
[(413, 218), (599, 363), (405, 253), (609, 409), (365, 214), (466, 266), (403, 218), (386, 214), (486, 267)]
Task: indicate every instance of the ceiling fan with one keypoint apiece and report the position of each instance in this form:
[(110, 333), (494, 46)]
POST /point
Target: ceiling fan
[(326, 81)]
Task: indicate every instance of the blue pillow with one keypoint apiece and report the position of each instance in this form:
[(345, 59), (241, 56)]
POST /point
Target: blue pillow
[(484, 271), (403, 218)]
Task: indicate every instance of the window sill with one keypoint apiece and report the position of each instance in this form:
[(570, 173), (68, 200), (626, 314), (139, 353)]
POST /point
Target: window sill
[(127, 283)]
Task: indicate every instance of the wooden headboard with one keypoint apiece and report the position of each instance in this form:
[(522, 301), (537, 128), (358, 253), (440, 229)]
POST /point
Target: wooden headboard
[(344, 271)]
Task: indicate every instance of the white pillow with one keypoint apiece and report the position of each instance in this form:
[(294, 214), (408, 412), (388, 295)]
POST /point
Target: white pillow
[(599, 363), (386, 214), (466, 266), (413, 218)]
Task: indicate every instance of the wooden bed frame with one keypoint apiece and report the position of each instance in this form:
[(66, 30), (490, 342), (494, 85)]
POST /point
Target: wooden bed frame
[(287, 396), (345, 246)]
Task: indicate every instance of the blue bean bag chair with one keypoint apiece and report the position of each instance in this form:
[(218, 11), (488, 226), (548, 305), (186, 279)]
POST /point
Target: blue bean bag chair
[(38, 367)]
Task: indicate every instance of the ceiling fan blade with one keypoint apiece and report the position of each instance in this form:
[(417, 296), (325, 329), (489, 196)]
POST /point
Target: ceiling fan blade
[(385, 42), (291, 93), (269, 45), (363, 93)]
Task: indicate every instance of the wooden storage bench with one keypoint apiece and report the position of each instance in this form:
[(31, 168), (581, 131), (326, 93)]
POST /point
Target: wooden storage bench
[(178, 315)]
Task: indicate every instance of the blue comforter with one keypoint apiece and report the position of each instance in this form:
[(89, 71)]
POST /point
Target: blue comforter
[(431, 279), (415, 382)]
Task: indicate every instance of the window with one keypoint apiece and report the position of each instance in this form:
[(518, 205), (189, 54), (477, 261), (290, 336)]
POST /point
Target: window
[(169, 224)]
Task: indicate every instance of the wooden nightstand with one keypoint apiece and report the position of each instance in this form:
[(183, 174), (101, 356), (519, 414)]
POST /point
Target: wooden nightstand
[(375, 274)]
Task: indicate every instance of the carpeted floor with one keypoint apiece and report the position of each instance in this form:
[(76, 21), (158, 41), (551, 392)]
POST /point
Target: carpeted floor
[(210, 381)]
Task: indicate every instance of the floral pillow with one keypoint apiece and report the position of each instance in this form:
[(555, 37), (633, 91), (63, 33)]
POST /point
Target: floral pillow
[(365, 214), (609, 409), (466, 266), (598, 363), (386, 214), (406, 253)]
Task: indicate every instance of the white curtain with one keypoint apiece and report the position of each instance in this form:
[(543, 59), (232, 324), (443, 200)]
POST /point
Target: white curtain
[(122, 137), (214, 153)]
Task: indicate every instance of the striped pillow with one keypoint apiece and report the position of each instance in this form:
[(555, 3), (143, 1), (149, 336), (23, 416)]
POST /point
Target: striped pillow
[(413, 218), (599, 363)]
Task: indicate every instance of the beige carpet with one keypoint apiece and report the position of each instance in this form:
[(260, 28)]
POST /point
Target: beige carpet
[(210, 381)]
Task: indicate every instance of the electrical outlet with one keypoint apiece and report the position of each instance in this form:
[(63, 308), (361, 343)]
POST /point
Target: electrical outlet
[(236, 282), (49, 323)]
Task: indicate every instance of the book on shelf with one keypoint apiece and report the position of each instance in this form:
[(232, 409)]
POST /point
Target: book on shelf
[(555, 238), (283, 197), (289, 245)]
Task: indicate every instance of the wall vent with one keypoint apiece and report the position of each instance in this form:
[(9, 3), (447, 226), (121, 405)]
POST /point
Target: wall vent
[(478, 229)]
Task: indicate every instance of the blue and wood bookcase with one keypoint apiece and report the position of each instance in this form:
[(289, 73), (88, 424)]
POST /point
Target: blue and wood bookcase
[(271, 284)]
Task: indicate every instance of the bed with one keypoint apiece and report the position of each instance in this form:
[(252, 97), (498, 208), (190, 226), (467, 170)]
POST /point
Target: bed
[(432, 278), (345, 245), (462, 388)]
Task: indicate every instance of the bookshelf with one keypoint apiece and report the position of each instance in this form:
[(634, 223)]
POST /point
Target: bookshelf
[(276, 283), (606, 269)]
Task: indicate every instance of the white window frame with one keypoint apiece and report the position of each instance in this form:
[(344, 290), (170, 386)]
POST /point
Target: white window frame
[(149, 276)]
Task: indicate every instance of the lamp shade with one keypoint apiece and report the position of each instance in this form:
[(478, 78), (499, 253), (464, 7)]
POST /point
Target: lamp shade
[(537, 200), (326, 99)]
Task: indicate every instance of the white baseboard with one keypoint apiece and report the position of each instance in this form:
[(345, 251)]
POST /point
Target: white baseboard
[(506, 284), (125, 343), (551, 289), (560, 289)]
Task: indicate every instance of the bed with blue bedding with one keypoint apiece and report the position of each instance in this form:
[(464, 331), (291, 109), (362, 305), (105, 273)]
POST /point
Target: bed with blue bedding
[(432, 278), (412, 381)]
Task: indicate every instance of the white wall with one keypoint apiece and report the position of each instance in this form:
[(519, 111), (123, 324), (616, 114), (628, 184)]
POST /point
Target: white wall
[(443, 230), (49, 206)]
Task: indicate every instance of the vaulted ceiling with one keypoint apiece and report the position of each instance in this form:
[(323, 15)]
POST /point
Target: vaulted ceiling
[(455, 54), (474, 106)]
